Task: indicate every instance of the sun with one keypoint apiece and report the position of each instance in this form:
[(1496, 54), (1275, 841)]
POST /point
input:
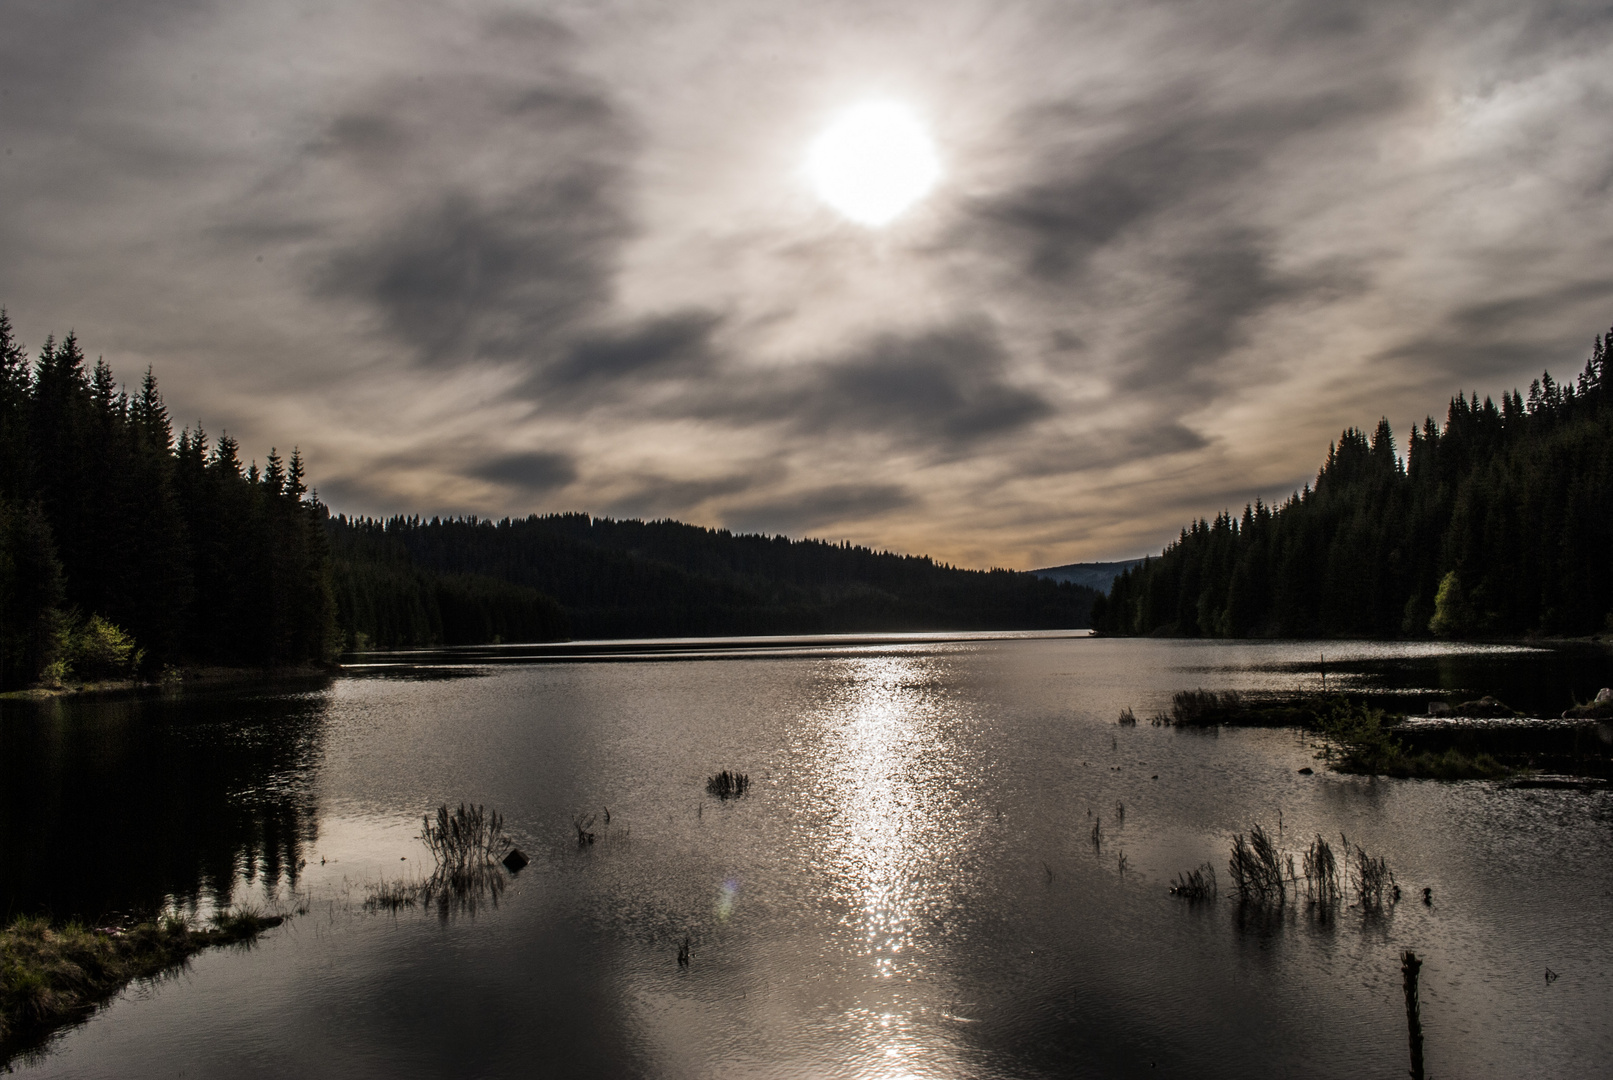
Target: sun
[(873, 162)]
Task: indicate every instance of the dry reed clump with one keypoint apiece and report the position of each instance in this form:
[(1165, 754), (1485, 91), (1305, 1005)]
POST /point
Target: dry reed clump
[(1263, 874), (467, 844), (1257, 868), (728, 785), (1127, 717), (1322, 883), (1197, 884), (1374, 882), (54, 975), (1199, 708)]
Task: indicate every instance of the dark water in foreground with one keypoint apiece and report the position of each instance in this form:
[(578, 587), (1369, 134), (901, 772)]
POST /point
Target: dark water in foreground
[(909, 890)]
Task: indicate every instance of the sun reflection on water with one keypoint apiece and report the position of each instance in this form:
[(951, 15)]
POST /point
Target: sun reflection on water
[(888, 775)]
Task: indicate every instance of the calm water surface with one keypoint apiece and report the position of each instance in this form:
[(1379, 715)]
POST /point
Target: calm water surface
[(909, 890)]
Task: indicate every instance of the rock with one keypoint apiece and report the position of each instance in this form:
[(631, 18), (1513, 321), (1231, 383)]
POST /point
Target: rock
[(1600, 709), (1307, 771), (1485, 708), (515, 860), (1438, 708)]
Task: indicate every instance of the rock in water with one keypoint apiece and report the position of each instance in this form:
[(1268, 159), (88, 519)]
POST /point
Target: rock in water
[(1599, 709), (515, 860), (1485, 708)]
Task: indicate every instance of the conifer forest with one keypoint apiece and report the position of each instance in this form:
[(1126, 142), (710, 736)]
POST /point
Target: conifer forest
[(1497, 523)]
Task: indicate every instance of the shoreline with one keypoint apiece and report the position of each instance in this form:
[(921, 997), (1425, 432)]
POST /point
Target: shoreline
[(55, 976), (172, 680)]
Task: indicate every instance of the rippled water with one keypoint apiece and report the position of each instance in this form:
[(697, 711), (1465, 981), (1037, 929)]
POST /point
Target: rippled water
[(910, 889)]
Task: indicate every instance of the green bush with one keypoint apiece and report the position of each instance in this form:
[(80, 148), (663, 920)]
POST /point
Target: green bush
[(98, 649)]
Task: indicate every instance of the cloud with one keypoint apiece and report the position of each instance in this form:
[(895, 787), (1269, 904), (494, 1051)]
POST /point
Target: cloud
[(658, 347), (944, 389), (468, 278), (1176, 150), (1220, 285), (535, 472)]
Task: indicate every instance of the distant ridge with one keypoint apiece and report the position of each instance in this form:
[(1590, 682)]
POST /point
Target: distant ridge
[(1094, 575)]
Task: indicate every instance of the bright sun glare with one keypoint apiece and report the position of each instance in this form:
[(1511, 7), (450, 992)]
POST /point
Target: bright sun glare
[(874, 162)]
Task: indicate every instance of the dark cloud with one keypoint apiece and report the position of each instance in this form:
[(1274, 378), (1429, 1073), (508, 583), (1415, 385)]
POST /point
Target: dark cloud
[(1175, 149), (470, 277), (1106, 447), (1221, 286), (530, 473), (676, 345), (946, 389), (517, 204), (819, 507)]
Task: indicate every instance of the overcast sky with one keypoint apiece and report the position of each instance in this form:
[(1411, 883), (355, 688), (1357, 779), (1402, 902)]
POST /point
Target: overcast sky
[(512, 257)]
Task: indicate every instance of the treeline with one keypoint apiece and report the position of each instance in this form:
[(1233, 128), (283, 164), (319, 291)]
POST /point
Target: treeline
[(385, 599), (123, 549), (1499, 522), (665, 579)]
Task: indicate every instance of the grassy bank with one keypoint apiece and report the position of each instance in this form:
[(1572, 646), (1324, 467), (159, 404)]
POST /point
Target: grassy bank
[(51, 976), (1357, 738)]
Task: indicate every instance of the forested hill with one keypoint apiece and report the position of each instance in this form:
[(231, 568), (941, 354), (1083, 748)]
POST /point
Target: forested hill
[(1499, 522), (663, 578), (125, 549)]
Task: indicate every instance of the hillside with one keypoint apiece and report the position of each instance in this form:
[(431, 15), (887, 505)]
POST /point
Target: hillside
[(663, 578)]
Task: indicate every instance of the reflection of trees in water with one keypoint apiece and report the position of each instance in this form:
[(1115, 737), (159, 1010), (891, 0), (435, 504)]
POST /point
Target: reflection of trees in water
[(114, 806)]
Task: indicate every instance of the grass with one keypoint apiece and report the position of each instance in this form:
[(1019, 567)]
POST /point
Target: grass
[(1209, 708), (394, 896), (1264, 875), (1256, 867), (728, 785), (466, 844), (51, 976), (1127, 717), (1197, 884), (1357, 737), (1359, 740), (1374, 883), (1322, 883)]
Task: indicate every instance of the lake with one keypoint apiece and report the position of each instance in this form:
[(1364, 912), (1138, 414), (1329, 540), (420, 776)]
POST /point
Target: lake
[(910, 888)]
